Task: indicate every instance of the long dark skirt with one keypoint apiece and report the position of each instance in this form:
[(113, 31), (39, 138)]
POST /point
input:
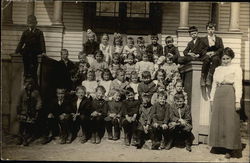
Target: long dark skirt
[(225, 121)]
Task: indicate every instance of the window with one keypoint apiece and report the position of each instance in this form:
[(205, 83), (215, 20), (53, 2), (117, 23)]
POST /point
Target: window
[(138, 9), (107, 9), (123, 17)]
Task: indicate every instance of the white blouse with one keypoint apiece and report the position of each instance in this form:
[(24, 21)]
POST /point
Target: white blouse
[(228, 74)]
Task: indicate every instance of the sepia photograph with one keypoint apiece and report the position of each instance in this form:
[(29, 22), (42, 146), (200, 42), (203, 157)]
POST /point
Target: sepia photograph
[(125, 81)]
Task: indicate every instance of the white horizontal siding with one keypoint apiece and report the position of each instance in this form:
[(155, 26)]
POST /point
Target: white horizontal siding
[(73, 34), (44, 12), (19, 12)]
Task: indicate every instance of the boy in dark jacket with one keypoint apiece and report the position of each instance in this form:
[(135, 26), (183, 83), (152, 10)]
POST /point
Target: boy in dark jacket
[(81, 107), (180, 122), (171, 50), (30, 46), (114, 116), (145, 121), (99, 109), (130, 112), (160, 117), (154, 48)]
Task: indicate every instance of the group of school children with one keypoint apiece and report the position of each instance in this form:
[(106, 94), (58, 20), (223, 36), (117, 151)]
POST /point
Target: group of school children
[(135, 88)]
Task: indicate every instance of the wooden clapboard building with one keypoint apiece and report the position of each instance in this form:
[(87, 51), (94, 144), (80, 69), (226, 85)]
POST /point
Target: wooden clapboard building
[(64, 24)]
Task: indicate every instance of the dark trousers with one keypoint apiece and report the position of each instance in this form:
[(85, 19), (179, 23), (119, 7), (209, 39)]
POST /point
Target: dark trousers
[(129, 128), (30, 64), (211, 64), (142, 136), (97, 125), (110, 123), (157, 134), (26, 130), (181, 133), (52, 127), (82, 122), (65, 123), (188, 58)]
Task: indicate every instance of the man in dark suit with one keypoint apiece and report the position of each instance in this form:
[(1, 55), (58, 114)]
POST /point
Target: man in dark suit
[(195, 51), (30, 45), (214, 47)]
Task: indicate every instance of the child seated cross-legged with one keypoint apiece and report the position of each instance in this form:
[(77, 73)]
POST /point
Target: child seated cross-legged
[(114, 116), (99, 110), (160, 117), (81, 114), (180, 122), (145, 121), (129, 120)]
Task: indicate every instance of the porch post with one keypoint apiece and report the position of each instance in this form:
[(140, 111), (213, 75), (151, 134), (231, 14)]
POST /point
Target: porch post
[(30, 7), (57, 12), (184, 7), (234, 18), (7, 12)]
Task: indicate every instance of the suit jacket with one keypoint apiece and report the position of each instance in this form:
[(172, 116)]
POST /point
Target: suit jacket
[(160, 113), (66, 71), (185, 114), (145, 115), (173, 50), (198, 48), (159, 49), (217, 48), (147, 88), (31, 42), (99, 105), (57, 109), (84, 107), (130, 107)]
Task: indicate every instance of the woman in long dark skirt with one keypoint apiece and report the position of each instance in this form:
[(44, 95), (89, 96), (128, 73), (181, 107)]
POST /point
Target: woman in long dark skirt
[(225, 100)]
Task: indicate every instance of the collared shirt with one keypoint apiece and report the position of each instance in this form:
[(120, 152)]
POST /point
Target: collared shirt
[(211, 40), (195, 40), (60, 102)]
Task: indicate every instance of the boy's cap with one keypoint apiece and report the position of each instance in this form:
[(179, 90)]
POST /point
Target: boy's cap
[(193, 29), (32, 19), (161, 59)]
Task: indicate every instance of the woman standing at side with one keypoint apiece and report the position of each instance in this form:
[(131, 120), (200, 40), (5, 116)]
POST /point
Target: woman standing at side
[(225, 101)]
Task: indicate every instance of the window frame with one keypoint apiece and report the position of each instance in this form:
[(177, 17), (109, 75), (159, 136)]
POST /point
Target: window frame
[(122, 23)]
